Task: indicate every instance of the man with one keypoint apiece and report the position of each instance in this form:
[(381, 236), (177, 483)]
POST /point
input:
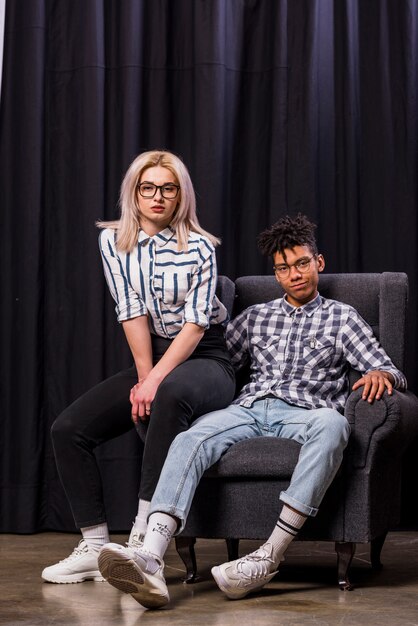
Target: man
[(299, 348)]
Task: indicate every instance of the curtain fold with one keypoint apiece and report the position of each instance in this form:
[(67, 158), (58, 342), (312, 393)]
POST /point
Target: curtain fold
[(275, 107), (22, 371)]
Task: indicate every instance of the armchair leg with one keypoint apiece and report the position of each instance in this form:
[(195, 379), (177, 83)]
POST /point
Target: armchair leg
[(232, 547), (375, 550), (185, 550), (345, 551)]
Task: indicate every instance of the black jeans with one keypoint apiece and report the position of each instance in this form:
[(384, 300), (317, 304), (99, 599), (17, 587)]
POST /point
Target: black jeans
[(203, 383)]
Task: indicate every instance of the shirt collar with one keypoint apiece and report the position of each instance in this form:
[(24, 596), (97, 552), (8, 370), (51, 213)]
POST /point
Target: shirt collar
[(161, 239), (308, 309)]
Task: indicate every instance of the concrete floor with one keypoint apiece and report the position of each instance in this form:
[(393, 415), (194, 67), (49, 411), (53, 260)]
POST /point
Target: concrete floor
[(304, 592)]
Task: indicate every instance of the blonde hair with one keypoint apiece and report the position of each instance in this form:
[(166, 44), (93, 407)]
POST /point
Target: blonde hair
[(184, 219)]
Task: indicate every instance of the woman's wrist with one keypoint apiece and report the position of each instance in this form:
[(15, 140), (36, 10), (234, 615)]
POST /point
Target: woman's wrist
[(155, 376), (142, 374)]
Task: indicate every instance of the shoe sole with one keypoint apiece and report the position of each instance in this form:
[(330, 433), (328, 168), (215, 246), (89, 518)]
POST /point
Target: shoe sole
[(232, 593), (75, 578), (123, 574), (223, 585)]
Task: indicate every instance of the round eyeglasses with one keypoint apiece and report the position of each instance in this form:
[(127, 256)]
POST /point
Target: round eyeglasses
[(168, 191), (302, 265)]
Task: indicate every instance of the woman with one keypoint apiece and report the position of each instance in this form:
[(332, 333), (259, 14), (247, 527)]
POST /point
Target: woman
[(160, 267)]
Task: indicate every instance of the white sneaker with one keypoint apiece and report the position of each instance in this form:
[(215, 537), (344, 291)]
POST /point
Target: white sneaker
[(79, 566), (135, 571), (238, 578), (136, 539)]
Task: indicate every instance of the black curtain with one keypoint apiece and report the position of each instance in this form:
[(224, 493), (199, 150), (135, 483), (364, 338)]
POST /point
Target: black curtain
[(275, 106)]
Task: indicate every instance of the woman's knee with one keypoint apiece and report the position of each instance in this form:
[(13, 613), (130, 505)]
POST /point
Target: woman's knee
[(70, 435), (64, 429), (173, 395)]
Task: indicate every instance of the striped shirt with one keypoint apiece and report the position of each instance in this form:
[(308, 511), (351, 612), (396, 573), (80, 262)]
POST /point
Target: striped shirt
[(301, 355), (156, 279)]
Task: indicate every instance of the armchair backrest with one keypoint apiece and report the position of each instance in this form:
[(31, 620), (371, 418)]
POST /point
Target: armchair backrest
[(381, 299), (225, 290)]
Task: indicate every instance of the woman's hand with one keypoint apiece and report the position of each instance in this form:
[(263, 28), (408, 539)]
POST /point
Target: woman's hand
[(141, 397), (143, 393)]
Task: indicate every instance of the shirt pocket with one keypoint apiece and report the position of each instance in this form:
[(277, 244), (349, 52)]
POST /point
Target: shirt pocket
[(172, 287), (265, 348), (318, 351)]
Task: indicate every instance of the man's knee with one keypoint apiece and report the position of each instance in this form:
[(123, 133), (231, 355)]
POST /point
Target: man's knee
[(198, 445), (333, 426), (187, 441)]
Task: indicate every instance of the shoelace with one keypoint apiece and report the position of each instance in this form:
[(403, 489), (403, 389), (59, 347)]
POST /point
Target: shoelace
[(82, 548), (135, 542), (255, 565), (152, 562)]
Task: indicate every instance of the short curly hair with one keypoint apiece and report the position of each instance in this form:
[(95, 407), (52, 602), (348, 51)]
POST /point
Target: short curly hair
[(288, 232)]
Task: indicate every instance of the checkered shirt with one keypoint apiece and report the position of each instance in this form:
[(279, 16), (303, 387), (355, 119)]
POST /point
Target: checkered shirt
[(301, 355)]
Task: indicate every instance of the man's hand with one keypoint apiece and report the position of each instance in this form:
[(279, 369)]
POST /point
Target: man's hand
[(374, 384)]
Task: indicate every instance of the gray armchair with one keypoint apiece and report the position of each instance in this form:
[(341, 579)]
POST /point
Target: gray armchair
[(363, 502)]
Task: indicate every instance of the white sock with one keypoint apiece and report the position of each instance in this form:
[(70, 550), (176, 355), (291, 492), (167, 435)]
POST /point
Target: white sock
[(286, 529), (96, 536), (161, 527), (139, 527)]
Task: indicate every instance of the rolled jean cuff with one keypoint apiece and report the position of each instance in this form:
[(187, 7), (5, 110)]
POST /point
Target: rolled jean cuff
[(170, 510), (298, 506)]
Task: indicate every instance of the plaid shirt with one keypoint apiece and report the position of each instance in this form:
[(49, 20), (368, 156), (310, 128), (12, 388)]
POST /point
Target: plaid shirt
[(301, 355)]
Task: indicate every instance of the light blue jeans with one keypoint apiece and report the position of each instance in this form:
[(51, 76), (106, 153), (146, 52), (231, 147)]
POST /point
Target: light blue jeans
[(323, 434)]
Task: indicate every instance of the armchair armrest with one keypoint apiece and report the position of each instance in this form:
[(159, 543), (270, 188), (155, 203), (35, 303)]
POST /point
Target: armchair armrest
[(392, 420)]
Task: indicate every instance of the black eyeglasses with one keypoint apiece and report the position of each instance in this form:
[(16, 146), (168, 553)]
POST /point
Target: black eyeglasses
[(168, 190), (303, 265)]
